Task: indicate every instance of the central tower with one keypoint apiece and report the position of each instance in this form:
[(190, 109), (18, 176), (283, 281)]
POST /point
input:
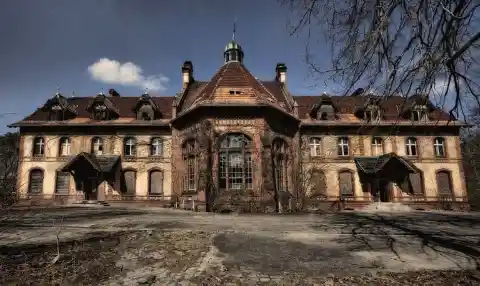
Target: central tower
[(233, 51)]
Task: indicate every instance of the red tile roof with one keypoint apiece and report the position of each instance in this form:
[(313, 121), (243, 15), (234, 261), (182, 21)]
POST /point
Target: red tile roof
[(391, 106), (125, 105)]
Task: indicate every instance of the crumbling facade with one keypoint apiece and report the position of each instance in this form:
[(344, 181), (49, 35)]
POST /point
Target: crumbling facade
[(236, 142)]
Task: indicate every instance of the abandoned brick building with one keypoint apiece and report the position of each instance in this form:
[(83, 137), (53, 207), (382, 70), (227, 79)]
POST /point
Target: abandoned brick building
[(236, 139)]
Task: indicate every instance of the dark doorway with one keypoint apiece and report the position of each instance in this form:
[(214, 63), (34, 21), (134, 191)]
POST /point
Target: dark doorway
[(384, 190), (90, 188), (380, 190)]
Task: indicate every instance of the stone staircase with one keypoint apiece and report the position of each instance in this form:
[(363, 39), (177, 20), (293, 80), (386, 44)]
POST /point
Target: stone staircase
[(387, 207)]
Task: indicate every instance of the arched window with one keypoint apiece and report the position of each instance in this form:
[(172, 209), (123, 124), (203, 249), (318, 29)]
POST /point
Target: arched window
[(97, 146), (444, 183), (280, 161), (65, 146), (145, 112), (128, 183), (155, 183), (315, 144), (342, 146), (38, 146), (345, 182), (377, 146), (156, 147), (439, 146), (62, 183), (190, 157), (411, 147), (318, 183), (35, 185), (129, 147), (235, 162)]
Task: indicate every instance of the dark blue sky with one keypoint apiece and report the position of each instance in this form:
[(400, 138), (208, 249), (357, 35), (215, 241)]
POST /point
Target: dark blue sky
[(51, 43)]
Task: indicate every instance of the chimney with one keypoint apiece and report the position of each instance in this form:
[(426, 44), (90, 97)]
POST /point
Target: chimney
[(187, 72), (113, 92), (281, 70)]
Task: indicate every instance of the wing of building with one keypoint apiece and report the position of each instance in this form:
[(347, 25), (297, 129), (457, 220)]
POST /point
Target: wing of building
[(235, 141)]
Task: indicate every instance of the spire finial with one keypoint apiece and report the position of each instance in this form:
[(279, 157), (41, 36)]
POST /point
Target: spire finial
[(101, 91), (146, 91), (58, 91), (234, 27), (325, 89)]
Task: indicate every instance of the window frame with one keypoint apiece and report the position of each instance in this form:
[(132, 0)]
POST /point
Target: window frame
[(408, 147), (63, 143), (440, 145), (375, 145), (314, 145), (41, 143), (101, 145), (228, 151), (130, 144), (343, 142), (156, 150)]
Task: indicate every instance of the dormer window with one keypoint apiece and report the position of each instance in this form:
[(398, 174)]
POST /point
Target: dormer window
[(100, 112), (146, 109), (372, 114), (146, 112), (59, 108), (326, 112), (419, 113)]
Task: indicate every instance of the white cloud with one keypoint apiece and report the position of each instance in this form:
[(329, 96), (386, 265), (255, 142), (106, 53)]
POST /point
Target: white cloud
[(128, 74)]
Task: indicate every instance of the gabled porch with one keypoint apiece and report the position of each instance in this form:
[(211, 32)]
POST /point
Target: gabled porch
[(91, 173), (378, 173)]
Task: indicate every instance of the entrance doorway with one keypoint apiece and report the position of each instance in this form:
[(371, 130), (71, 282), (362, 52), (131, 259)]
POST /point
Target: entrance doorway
[(90, 189), (381, 190)]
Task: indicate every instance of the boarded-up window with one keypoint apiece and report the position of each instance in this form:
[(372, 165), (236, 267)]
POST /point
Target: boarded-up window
[(444, 183), (129, 181), (417, 183), (156, 183), (62, 183), (345, 181), (319, 183), (36, 182)]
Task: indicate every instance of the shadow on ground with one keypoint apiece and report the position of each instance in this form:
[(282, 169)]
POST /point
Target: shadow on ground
[(446, 235), (276, 256)]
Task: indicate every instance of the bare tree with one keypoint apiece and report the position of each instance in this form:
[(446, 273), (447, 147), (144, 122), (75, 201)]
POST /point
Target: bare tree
[(471, 162), (8, 167), (396, 47)]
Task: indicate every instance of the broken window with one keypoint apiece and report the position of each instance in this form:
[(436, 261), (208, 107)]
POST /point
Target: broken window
[(97, 146), (439, 146)]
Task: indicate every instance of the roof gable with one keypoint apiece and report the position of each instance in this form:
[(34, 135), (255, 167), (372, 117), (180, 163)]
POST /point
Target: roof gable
[(234, 77)]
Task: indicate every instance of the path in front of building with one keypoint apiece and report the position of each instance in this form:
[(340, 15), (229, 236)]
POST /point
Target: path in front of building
[(127, 246)]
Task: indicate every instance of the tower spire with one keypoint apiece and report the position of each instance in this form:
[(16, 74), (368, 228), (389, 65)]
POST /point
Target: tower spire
[(234, 28)]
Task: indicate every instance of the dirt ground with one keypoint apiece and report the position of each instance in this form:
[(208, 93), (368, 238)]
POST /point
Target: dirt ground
[(149, 246)]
